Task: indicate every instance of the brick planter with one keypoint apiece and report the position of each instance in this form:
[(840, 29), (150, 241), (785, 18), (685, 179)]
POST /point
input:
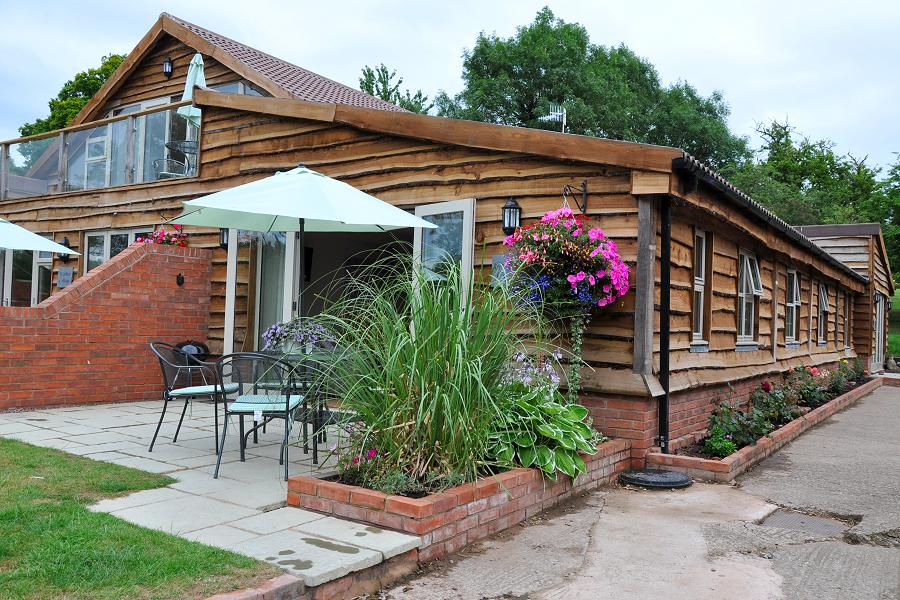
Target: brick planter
[(726, 469), (461, 515)]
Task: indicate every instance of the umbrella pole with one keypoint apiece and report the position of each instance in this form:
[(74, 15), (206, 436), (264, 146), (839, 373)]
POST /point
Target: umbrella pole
[(302, 253)]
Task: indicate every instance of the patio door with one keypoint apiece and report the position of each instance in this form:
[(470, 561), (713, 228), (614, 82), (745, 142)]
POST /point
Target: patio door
[(451, 242), (26, 277), (878, 354)]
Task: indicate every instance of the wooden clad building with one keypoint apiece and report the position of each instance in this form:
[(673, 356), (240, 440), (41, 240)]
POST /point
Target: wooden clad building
[(734, 293), (861, 247)]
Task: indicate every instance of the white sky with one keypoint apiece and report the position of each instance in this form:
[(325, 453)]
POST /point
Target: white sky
[(832, 68)]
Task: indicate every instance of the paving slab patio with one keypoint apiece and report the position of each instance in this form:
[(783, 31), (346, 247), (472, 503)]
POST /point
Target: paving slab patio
[(243, 510)]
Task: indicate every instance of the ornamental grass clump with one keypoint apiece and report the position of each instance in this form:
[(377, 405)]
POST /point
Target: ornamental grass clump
[(419, 360), (571, 269)]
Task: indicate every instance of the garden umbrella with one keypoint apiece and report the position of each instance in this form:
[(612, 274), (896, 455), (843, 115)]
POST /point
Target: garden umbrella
[(296, 200), (13, 237), (195, 77)]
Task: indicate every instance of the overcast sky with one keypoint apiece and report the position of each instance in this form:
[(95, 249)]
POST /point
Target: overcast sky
[(832, 68)]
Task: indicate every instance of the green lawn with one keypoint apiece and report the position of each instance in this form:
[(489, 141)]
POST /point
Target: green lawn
[(51, 546), (894, 326)]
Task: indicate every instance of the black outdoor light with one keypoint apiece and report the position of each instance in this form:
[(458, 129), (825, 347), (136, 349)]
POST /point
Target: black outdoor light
[(179, 279), (512, 216), (167, 67), (62, 255), (223, 238)]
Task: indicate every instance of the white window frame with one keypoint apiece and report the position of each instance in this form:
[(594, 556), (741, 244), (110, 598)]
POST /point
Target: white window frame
[(824, 305), (106, 235), (467, 207), (793, 301), (749, 290), (38, 259), (847, 312), (699, 296)]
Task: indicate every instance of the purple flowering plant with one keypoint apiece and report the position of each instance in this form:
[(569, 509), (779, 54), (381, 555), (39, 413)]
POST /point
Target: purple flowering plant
[(296, 333)]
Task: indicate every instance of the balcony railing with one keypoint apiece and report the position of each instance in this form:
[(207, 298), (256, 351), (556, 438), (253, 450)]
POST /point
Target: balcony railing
[(144, 146)]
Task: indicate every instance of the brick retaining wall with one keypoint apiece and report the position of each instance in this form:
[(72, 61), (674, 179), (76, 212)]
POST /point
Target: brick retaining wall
[(726, 469), (461, 515), (89, 341)]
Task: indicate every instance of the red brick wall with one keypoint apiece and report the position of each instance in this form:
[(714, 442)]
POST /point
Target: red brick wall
[(461, 515), (89, 342), (636, 419)]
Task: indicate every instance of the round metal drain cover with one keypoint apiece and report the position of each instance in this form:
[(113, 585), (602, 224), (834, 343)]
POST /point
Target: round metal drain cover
[(655, 478)]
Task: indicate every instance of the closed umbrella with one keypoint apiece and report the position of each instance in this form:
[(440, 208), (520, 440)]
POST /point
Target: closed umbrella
[(297, 200), (13, 237), (195, 77)]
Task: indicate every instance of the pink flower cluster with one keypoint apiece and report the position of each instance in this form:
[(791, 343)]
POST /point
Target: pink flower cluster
[(166, 238), (580, 260), (370, 454)]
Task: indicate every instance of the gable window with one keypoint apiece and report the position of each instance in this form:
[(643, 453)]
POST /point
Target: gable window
[(749, 292), (824, 310), (792, 308), (103, 245), (702, 276)]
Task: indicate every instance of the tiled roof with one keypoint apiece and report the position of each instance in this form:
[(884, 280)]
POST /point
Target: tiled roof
[(297, 81)]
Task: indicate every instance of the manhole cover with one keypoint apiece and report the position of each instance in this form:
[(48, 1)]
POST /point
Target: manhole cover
[(655, 479), (798, 521)]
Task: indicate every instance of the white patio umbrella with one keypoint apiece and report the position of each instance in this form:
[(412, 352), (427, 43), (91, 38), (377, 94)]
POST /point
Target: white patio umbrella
[(13, 237), (296, 200), (195, 77)]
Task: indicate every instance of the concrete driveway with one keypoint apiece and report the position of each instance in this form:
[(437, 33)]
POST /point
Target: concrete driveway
[(818, 520)]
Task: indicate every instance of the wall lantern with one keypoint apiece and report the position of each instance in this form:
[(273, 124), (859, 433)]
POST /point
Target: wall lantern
[(179, 279), (512, 216), (223, 239), (167, 67), (63, 256)]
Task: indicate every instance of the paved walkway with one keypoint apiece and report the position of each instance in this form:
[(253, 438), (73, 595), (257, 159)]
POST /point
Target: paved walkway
[(715, 541), (243, 510)]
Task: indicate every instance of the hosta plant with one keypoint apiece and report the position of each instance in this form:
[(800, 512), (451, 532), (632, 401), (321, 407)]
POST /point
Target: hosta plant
[(540, 430)]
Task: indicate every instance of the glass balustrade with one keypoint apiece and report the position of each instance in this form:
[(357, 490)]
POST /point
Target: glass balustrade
[(148, 147)]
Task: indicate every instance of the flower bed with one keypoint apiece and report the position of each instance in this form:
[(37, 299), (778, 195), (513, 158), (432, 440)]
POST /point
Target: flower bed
[(463, 514), (726, 469)]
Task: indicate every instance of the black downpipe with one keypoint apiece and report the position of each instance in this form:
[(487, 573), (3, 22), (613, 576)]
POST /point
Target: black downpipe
[(665, 276)]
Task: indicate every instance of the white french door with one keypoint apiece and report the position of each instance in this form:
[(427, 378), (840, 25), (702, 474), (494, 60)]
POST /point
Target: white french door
[(452, 241), (25, 277)]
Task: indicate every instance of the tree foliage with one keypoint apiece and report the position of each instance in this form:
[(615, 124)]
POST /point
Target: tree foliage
[(74, 94), (806, 182), (384, 83), (608, 92)]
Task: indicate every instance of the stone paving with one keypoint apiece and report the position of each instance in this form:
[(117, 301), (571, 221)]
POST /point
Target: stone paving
[(243, 510)]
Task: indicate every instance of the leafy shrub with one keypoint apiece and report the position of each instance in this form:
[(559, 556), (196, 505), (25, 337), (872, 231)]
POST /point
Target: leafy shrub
[(719, 443), (776, 404), (810, 385), (741, 427), (419, 361), (537, 429)]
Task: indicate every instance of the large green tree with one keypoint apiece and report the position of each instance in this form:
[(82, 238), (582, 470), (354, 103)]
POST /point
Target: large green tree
[(608, 91), (806, 182), (384, 83), (74, 94)]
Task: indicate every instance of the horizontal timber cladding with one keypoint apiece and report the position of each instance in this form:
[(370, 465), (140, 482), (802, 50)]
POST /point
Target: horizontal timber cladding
[(722, 362), (147, 81), (237, 147)]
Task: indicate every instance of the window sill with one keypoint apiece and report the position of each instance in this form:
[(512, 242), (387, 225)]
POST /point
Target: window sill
[(821, 344), (792, 345), (699, 346), (746, 347)]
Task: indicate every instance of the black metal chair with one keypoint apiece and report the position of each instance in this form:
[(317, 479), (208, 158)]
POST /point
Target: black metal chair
[(168, 168), (179, 371), (263, 387)]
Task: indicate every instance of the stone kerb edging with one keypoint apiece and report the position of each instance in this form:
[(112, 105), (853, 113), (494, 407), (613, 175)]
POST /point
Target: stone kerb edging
[(726, 469), (464, 514)]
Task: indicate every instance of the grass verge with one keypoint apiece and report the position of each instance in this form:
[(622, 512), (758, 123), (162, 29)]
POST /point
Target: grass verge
[(51, 546)]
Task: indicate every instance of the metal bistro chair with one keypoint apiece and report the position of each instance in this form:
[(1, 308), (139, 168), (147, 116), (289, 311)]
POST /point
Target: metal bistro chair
[(265, 391), (178, 371)]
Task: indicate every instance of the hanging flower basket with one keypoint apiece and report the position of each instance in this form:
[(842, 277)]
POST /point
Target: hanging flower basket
[(570, 268)]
